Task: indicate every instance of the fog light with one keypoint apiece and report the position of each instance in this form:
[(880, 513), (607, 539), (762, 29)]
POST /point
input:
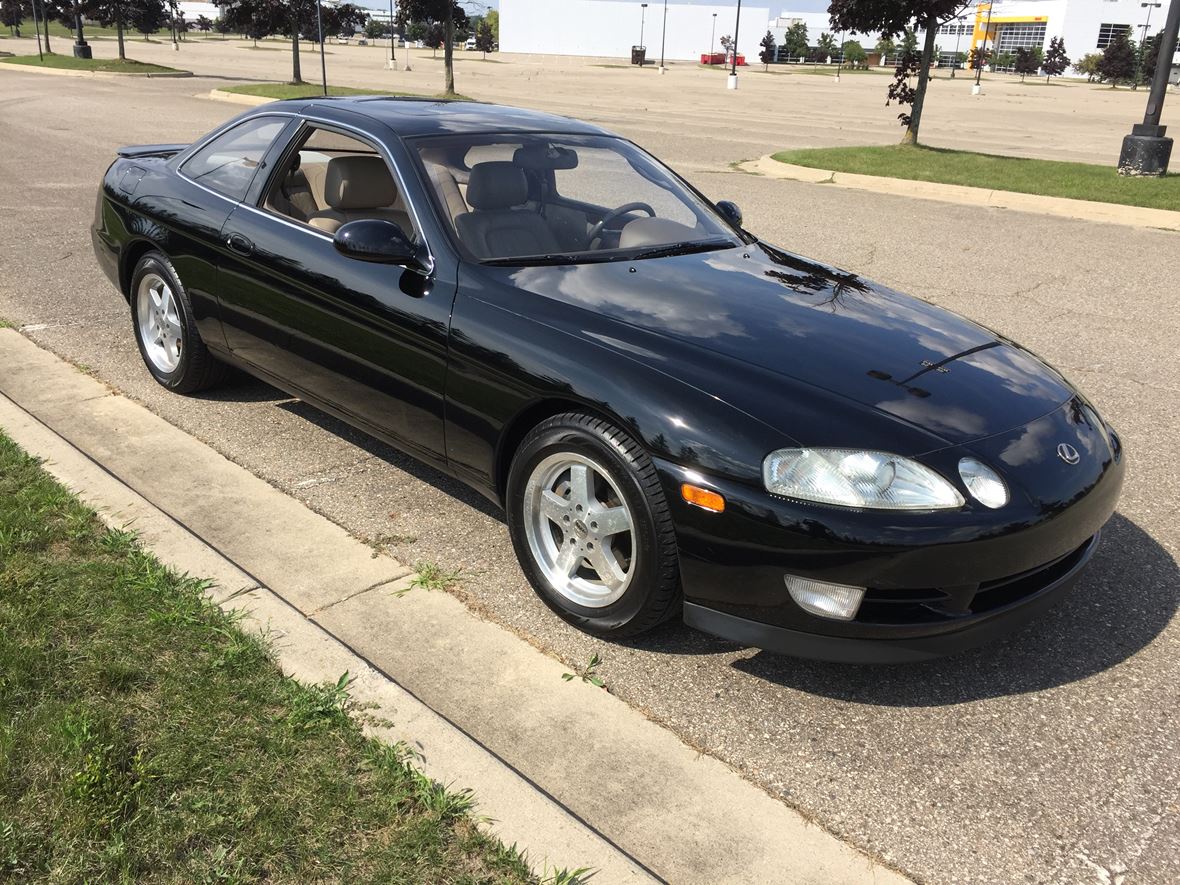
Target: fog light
[(835, 601)]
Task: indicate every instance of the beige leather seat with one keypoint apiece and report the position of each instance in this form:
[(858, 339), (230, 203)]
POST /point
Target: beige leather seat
[(355, 188), (500, 225)]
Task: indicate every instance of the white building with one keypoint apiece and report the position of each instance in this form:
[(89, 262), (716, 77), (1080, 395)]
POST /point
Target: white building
[(609, 28)]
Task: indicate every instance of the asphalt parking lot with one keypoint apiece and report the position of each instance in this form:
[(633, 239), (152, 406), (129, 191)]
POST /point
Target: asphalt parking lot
[(1049, 757)]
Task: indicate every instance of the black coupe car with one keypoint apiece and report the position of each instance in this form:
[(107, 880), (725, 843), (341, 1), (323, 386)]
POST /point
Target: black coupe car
[(677, 417)]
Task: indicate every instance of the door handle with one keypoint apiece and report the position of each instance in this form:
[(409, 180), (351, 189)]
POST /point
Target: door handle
[(240, 244)]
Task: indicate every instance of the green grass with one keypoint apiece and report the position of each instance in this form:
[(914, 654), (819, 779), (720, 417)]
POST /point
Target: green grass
[(145, 738), (314, 90), (1078, 181), (109, 65)]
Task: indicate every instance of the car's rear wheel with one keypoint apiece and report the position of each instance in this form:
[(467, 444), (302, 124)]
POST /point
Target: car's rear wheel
[(591, 526), (168, 339)]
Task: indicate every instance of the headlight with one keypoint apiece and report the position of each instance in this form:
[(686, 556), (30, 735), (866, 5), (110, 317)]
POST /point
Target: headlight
[(983, 483), (849, 478)]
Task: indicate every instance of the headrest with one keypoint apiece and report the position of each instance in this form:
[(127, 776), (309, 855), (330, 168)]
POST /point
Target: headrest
[(359, 182), (496, 184), (296, 162)]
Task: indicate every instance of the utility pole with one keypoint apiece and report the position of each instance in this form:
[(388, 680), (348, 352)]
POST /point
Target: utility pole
[(37, 28), (958, 36), (1146, 151), (979, 55), (664, 37), (319, 21), (732, 80)]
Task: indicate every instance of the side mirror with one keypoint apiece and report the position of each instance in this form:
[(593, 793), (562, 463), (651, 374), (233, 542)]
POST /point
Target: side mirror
[(730, 212), (380, 241)]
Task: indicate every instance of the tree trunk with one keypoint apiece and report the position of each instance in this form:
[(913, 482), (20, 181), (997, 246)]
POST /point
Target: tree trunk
[(45, 22), (449, 48), (911, 132), (296, 73), (119, 30)]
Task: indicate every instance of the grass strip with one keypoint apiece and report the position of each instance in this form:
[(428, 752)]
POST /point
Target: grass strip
[(315, 90), (106, 65), (1053, 178), (145, 738)]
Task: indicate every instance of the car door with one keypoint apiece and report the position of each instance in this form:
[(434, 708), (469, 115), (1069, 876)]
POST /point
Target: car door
[(363, 340)]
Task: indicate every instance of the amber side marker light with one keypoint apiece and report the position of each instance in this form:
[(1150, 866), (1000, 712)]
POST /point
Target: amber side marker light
[(702, 498)]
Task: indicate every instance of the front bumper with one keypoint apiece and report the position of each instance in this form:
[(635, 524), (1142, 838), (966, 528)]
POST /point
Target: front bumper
[(1051, 585), (936, 582)]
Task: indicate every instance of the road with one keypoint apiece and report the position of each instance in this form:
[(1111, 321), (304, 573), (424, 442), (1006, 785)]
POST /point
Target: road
[(1048, 757)]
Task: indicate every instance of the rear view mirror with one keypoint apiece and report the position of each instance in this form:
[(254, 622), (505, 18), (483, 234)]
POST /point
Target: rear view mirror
[(381, 241), (730, 212)]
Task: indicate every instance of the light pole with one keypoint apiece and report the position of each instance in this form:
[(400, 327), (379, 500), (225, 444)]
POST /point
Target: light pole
[(840, 61), (81, 47), (37, 28), (731, 81), (979, 55), (713, 38), (392, 40), (1147, 24), (664, 37), (642, 22), (1146, 151), (958, 36), (319, 22)]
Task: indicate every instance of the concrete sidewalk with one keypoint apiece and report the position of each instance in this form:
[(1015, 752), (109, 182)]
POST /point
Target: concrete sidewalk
[(565, 769)]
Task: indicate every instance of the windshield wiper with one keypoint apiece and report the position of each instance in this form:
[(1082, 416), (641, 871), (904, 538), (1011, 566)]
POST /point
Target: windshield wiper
[(687, 248), (534, 260)]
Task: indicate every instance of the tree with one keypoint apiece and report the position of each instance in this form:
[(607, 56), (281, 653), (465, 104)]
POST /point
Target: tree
[(769, 48), (854, 54), (795, 40), (892, 17), (1026, 63), (1089, 65), (485, 38), (1056, 61), (826, 45), (376, 29), (978, 57), (261, 18), (1150, 54), (221, 26), (492, 20), (885, 48), (204, 24), (727, 44), (1005, 61), (450, 15), (1118, 61), (11, 15), (146, 16), (434, 38)]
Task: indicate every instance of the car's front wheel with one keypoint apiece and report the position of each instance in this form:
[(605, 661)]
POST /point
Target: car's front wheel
[(591, 526), (168, 340)]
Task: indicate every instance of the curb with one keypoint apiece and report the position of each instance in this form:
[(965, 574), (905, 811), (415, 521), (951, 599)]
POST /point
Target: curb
[(102, 75), (1062, 207), (565, 768), (237, 98)]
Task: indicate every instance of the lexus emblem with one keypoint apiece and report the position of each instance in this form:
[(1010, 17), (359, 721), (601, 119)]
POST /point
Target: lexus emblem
[(1068, 453)]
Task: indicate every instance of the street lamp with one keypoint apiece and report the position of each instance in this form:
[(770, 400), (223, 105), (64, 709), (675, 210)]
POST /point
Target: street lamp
[(392, 40), (642, 22), (663, 37), (1147, 24), (319, 23), (731, 82), (713, 38), (81, 47), (1146, 151), (37, 28), (958, 36), (979, 56)]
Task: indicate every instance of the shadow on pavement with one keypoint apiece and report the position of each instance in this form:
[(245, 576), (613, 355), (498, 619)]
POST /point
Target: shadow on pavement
[(1125, 599)]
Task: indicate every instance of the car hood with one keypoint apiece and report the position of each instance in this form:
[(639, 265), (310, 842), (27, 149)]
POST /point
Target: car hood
[(799, 320)]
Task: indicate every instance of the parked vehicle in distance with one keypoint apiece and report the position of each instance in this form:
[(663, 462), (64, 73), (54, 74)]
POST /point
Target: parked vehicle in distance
[(675, 416), (470, 44)]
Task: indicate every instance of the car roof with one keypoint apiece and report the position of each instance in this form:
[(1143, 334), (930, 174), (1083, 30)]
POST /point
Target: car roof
[(412, 117)]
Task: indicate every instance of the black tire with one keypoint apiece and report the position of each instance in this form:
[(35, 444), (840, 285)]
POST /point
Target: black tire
[(653, 594), (197, 368)]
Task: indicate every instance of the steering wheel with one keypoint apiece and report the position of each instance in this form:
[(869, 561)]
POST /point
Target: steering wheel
[(625, 209)]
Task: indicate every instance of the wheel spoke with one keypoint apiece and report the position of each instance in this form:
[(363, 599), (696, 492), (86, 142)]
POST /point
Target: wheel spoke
[(156, 297), (581, 485), (554, 507), (173, 326), (165, 300), (604, 562), (568, 560), (612, 521)]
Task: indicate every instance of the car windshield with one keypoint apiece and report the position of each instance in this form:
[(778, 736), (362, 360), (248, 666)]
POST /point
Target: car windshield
[(563, 199)]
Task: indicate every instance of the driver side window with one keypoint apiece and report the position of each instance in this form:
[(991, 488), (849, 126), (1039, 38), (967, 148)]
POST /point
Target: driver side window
[(331, 179)]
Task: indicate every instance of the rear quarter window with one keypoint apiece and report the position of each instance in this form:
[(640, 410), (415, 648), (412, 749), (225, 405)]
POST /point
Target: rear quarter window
[(227, 164)]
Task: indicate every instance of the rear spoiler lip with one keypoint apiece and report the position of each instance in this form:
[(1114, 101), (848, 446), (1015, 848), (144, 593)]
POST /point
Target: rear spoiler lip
[(150, 150)]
